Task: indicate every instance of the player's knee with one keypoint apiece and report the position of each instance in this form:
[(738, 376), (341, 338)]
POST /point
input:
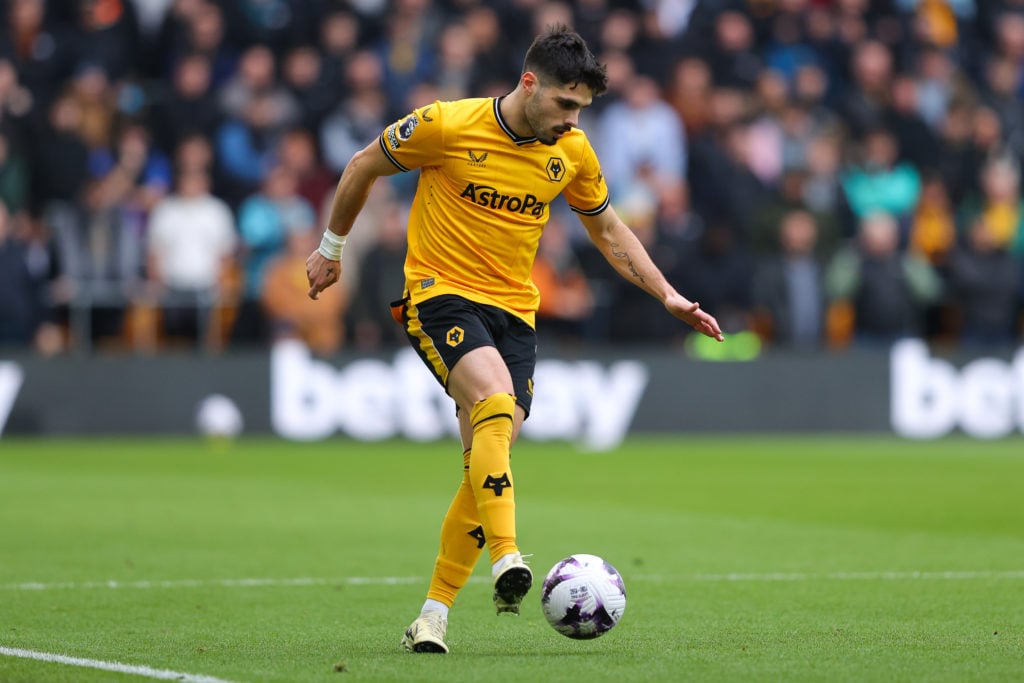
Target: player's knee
[(496, 406)]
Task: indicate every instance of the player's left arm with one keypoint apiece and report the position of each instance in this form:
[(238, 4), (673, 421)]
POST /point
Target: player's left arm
[(623, 250)]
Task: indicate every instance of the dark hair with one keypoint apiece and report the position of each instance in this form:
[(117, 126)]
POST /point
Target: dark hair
[(560, 54)]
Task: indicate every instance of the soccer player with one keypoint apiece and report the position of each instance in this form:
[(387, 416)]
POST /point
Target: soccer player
[(489, 169)]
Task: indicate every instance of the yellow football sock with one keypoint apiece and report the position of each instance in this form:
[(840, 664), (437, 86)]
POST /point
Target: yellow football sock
[(462, 542), (490, 474)]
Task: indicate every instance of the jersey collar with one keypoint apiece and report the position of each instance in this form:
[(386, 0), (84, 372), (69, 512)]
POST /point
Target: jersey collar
[(507, 128)]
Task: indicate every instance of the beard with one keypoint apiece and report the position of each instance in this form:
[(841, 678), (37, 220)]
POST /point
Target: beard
[(535, 120)]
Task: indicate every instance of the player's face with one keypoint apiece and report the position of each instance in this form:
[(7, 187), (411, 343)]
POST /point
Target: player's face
[(554, 110)]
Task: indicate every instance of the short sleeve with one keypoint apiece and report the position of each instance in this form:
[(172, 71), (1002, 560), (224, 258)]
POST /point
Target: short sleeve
[(587, 193), (416, 139)]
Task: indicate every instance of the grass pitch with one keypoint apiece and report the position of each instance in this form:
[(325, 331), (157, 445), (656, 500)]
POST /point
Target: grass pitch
[(769, 559)]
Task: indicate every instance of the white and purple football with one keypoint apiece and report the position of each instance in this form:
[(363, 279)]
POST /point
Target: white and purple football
[(583, 596)]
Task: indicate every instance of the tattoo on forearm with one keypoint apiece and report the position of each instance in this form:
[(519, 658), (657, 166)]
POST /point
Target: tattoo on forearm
[(629, 262)]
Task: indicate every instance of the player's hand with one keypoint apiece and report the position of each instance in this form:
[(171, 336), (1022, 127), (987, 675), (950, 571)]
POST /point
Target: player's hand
[(691, 313), (321, 273)]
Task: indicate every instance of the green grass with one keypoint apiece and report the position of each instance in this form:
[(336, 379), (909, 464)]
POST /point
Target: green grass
[(757, 559)]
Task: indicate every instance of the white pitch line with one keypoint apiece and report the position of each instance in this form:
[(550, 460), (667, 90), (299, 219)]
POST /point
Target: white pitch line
[(225, 583), (1007, 575), (843, 576), (118, 667)]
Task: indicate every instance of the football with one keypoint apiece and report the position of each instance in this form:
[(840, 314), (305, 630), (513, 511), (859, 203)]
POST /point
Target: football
[(583, 596)]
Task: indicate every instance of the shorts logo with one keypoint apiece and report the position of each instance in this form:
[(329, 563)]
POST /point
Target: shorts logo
[(406, 127), (529, 386), (455, 336), (555, 169)]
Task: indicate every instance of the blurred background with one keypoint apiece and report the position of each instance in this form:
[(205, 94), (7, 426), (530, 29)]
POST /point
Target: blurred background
[(827, 177)]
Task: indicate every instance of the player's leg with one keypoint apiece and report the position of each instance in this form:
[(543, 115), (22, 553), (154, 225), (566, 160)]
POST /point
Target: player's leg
[(462, 542), (481, 385), (482, 379), (442, 330)]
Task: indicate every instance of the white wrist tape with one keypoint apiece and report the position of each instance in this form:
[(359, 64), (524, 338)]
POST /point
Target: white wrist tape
[(332, 245)]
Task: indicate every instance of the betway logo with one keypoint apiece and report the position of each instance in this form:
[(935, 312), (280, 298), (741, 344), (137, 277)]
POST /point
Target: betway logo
[(485, 195), (11, 378), (372, 399), (930, 398)]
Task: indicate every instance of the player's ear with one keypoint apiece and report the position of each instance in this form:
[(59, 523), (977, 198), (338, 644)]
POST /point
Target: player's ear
[(530, 81)]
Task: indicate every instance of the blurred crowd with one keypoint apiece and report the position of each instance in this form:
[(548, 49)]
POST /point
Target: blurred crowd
[(817, 173)]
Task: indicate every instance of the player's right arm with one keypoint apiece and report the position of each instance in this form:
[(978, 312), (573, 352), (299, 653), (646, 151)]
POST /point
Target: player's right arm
[(366, 166)]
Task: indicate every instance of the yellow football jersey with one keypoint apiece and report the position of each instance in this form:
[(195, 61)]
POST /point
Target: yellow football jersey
[(483, 199)]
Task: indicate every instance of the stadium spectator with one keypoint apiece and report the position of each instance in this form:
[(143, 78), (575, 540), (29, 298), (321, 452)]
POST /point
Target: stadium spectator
[(917, 141), (42, 53), (265, 221), (453, 74), (985, 285), (339, 37), (60, 161), (492, 70), (107, 35), (17, 104), (191, 242), (641, 135), (14, 175), (791, 196), (789, 287), (884, 290), (566, 299), (406, 49), (19, 293), (767, 154), (1003, 93), (866, 96), (315, 87), (822, 191), (734, 58), (940, 85), (958, 162), (187, 103), (293, 315), (689, 93), (297, 151), (359, 117), (245, 147), (999, 203), (256, 80), (722, 183), (93, 91), (381, 267), (877, 181), (933, 230), (278, 24), (200, 27), (125, 182)]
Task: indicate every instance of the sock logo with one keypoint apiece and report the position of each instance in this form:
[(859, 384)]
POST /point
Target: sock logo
[(498, 485), (478, 534)]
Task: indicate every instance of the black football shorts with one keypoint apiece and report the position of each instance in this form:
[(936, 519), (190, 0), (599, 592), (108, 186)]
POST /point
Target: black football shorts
[(444, 328)]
